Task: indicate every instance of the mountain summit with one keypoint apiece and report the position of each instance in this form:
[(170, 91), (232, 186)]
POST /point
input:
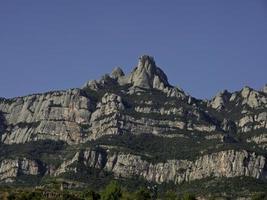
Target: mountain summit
[(148, 75), (136, 127)]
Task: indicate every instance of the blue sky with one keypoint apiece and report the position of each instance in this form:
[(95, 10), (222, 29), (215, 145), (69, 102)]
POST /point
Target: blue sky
[(204, 46)]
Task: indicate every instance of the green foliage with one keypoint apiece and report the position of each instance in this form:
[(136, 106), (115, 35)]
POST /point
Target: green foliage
[(112, 191), (48, 151), (170, 195), (143, 194), (68, 196), (209, 188), (259, 196), (231, 187), (91, 195), (188, 196), (157, 149), (94, 178), (11, 196)]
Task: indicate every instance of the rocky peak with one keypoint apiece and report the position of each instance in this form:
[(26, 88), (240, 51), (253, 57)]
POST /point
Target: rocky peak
[(117, 73), (265, 89), (219, 101), (245, 92), (253, 98), (148, 75)]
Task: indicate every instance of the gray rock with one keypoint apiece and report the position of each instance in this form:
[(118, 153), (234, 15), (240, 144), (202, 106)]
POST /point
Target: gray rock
[(56, 116), (148, 75), (253, 98), (77, 116), (222, 164), (117, 73), (219, 101), (265, 89), (10, 169)]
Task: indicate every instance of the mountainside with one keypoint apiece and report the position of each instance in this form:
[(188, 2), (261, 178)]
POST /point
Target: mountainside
[(134, 127)]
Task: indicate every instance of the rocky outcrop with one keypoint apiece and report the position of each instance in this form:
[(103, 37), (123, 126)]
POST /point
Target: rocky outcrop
[(220, 100), (117, 73), (145, 76), (10, 169), (55, 115), (253, 98), (265, 89), (148, 75), (253, 122), (229, 163), (222, 164), (260, 140), (142, 102), (105, 119)]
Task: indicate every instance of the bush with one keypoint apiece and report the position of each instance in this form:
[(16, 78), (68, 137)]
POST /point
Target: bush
[(143, 194), (91, 195), (170, 195), (112, 191), (260, 196), (187, 196)]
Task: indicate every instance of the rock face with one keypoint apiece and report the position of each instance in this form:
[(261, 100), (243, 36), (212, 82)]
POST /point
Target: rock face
[(11, 169), (220, 100), (117, 73), (148, 75), (55, 115), (222, 164), (104, 126)]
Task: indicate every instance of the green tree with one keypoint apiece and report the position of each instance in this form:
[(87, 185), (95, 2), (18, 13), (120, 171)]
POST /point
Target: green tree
[(34, 196), (112, 191), (188, 196), (259, 196), (170, 195), (11, 196), (143, 194), (91, 195)]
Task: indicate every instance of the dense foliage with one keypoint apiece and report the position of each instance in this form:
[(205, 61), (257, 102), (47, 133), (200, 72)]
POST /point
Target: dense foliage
[(119, 190)]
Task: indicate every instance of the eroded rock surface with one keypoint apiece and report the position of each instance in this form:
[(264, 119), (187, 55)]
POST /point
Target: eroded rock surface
[(225, 135)]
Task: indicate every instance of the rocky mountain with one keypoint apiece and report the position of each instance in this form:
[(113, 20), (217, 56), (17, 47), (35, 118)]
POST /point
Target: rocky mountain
[(135, 126)]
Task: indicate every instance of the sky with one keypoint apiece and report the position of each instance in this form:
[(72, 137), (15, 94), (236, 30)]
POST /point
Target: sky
[(204, 46)]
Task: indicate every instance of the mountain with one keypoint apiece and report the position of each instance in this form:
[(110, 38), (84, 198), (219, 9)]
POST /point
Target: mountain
[(136, 128)]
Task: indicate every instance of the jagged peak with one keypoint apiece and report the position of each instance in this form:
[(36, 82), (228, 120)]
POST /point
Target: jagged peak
[(117, 72), (219, 100), (265, 88), (148, 75), (246, 91), (147, 62)]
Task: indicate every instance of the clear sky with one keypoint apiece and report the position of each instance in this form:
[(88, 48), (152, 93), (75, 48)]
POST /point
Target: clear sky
[(204, 46)]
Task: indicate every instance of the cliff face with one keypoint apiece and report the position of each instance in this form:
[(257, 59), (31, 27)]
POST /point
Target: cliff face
[(135, 125), (10, 169), (55, 116), (222, 164)]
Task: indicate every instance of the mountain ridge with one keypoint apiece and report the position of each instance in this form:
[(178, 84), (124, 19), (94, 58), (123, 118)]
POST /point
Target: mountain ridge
[(118, 73), (135, 125)]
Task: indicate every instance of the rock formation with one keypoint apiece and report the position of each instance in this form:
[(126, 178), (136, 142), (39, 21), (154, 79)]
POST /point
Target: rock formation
[(135, 125)]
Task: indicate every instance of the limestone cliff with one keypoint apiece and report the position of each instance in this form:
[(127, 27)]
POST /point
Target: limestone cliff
[(135, 125)]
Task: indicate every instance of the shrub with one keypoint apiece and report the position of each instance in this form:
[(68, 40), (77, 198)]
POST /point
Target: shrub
[(187, 196), (170, 195), (143, 194), (112, 191), (259, 196)]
